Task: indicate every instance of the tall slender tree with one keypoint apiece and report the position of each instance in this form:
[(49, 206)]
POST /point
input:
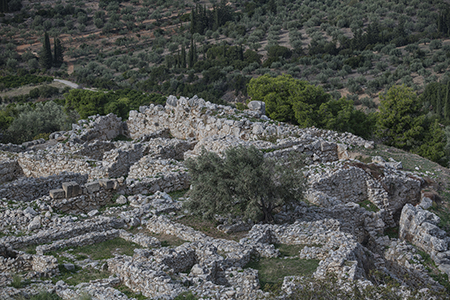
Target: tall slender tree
[(58, 57), (183, 57), (3, 6), (45, 57), (447, 102)]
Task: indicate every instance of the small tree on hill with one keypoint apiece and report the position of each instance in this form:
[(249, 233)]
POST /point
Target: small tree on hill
[(58, 57), (45, 57), (243, 183)]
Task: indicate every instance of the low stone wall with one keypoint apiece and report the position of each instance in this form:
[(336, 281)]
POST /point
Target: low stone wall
[(28, 189), (145, 276), (339, 252), (140, 239), (405, 264), (77, 241), (46, 236), (167, 183), (147, 166), (95, 149), (36, 265), (9, 170), (12, 148), (37, 164)]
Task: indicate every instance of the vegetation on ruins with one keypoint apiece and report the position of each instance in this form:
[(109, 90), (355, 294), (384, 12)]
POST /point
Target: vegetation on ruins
[(244, 183)]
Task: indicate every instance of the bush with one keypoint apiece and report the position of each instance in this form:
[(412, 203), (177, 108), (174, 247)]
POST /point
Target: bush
[(45, 118), (243, 183)]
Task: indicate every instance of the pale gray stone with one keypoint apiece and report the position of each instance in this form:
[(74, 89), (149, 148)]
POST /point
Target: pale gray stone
[(257, 106), (71, 189), (57, 193), (92, 187)]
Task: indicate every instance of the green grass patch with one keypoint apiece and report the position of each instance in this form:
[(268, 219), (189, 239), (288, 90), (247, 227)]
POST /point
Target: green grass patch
[(365, 159), (79, 275), (107, 249), (178, 194), (18, 282), (369, 206), (392, 232), (433, 271), (209, 228), (30, 249), (273, 270), (129, 293), (289, 250), (43, 295), (122, 137), (185, 296)]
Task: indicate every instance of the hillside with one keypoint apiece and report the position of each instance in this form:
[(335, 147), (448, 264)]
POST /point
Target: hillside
[(146, 44)]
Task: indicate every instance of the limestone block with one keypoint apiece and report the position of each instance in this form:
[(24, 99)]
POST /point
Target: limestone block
[(426, 203), (35, 224), (92, 187), (121, 200), (72, 189), (257, 106), (326, 146), (342, 151), (57, 194), (172, 100), (258, 129), (107, 183)]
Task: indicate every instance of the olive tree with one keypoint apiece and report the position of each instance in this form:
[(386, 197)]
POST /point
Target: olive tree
[(243, 183)]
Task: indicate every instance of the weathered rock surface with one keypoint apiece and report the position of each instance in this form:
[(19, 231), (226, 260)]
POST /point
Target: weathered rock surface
[(91, 189)]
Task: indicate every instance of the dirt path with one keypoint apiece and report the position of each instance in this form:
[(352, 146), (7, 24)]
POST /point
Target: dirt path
[(68, 83)]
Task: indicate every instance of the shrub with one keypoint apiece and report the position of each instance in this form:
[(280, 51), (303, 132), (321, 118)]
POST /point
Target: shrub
[(45, 118), (243, 183)]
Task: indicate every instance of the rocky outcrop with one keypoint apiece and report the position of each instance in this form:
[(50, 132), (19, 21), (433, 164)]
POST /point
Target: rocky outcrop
[(419, 227)]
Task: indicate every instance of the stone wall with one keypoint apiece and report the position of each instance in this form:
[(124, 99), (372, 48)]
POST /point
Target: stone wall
[(168, 182), (9, 170), (37, 164), (386, 188), (27, 189), (12, 147), (195, 118), (36, 265), (97, 127), (90, 196), (95, 149), (63, 232)]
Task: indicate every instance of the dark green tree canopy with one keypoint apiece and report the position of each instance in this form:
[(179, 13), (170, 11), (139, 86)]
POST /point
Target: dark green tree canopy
[(243, 183), (400, 121), (45, 56)]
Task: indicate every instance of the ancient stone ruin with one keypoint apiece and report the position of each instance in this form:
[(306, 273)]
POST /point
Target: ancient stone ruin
[(109, 180)]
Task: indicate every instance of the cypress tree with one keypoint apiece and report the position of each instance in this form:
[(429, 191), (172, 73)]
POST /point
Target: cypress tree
[(183, 57), (439, 102), (447, 103), (3, 6), (58, 56), (45, 57), (194, 53)]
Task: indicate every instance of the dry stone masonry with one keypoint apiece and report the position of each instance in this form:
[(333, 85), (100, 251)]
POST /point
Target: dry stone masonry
[(108, 181)]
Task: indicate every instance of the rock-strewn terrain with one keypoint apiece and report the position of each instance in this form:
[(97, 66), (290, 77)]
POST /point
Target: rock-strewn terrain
[(86, 189)]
